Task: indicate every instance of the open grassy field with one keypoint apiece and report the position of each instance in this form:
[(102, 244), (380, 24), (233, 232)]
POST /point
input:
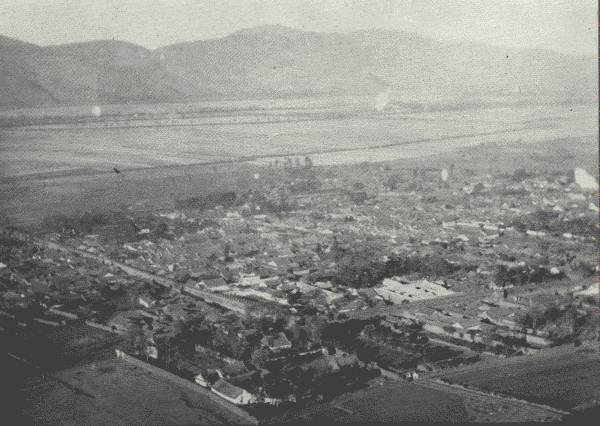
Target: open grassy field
[(563, 377)]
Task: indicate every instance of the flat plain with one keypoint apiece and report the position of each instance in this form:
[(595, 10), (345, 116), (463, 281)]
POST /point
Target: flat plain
[(348, 137), (72, 166)]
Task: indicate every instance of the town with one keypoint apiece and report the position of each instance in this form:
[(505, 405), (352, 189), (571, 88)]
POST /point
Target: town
[(312, 282)]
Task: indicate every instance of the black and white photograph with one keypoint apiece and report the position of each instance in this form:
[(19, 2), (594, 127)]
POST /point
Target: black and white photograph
[(271, 212)]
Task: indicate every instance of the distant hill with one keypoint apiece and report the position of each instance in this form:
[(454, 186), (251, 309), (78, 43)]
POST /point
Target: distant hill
[(276, 61)]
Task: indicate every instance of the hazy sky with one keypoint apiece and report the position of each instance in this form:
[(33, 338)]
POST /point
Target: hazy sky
[(564, 25)]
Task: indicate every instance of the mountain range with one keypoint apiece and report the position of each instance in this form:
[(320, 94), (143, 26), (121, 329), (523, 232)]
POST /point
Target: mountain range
[(274, 61)]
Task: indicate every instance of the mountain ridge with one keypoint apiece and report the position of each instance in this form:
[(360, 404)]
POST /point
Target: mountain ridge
[(278, 61)]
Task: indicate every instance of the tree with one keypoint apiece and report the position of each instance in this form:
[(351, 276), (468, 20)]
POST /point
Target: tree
[(358, 186), (392, 182), (227, 252), (259, 357), (360, 265), (534, 317)]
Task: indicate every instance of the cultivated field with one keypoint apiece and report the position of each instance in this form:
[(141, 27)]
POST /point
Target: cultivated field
[(347, 137), (115, 392), (421, 401), (394, 402), (563, 377)]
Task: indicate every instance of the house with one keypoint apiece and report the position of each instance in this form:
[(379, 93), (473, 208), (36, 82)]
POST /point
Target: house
[(47, 322), (235, 267), (591, 291), (345, 306), (120, 321), (250, 280), (277, 264), (232, 393), (272, 282), (324, 285), (324, 364), (344, 360), (64, 314), (260, 296), (277, 343)]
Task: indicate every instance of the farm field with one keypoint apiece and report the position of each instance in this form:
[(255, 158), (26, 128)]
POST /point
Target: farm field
[(58, 348), (563, 377), (352, 138), (393, 402), (115, 392), (421, 401)]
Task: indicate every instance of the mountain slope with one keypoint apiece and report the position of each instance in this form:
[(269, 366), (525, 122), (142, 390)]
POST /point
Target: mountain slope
[(274, 61), (31, 76), (86, 73)]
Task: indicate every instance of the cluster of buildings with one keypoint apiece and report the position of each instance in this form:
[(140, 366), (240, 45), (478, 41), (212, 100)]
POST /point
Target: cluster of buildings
[(235, 298)]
